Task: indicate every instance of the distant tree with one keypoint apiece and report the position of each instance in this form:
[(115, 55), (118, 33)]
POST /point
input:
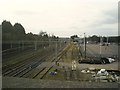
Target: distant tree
[(74, 36), (104, 39), (119, 40), (54, 37), (6, 27), (7, 31), (95, 38), (19, 31), (15, 36), (30, 36), (41, 33), (114, 39)]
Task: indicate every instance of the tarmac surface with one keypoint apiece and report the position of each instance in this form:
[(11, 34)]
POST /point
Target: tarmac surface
[(106, 51)]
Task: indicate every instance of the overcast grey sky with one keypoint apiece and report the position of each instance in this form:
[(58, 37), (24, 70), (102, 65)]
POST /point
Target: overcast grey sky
[(63, 17)]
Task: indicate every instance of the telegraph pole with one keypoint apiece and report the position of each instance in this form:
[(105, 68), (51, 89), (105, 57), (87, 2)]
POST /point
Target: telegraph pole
[(79, 44), (56, 46), (85, 44), (107, 40), (100, 45), (49, 40)]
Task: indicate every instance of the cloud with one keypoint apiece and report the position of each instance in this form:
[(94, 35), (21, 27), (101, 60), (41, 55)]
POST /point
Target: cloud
[(112, 16), (107, 17), (62, 17), (105, 23), (25, 12), (112, 13), (74, 28), (104, 29), (110, 20)]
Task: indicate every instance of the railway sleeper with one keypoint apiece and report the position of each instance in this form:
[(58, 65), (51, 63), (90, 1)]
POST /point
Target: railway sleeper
[(33, 73), (43, 73), (28, 73), (20, 70), (15, 67), (17, 73), (74, 74), (22, 74), (11, 70), (67, 73)]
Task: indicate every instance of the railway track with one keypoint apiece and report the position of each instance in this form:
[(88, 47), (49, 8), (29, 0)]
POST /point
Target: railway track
[(28, 69), (40, 74), (24, 65), (33, 71), (72, 55), (15, 66), (68, 74), (33, 68), (71, 75)]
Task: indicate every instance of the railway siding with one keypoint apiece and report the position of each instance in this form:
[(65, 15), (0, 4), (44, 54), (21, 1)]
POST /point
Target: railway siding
[(42, 67), (43, 73), (67, 71)]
